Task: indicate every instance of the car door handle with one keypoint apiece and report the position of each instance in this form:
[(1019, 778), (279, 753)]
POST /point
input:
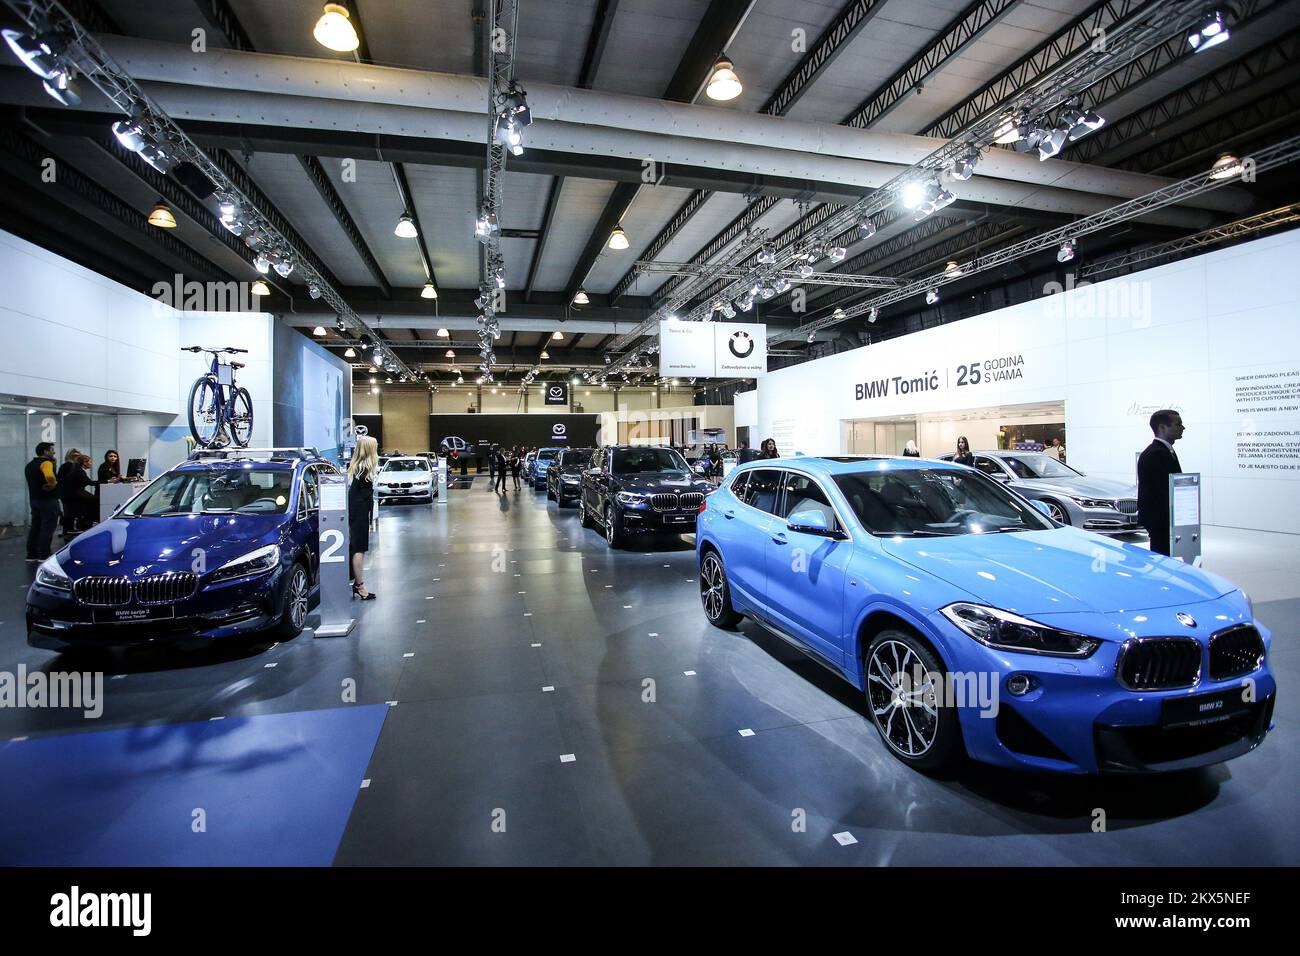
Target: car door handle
[(729, 513), (779, 537)]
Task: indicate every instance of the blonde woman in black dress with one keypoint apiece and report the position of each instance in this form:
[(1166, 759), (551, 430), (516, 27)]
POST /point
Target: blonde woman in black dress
[(361, 498)]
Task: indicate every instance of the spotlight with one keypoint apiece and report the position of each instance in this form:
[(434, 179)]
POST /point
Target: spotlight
[(607, 358), (319, 332), (836, 253), (767, 254), (63, 88), (428, 292), (912, 195), (746, 301), (1212, 31), (284, 267), (1050, 143), (313, 290), (723, 84), (805, 270), (35, 55), (129, 132), (1081, 122), (618, 238), (157, 157), (932, 297), (581, 298), (1011, 129), (405, 228), (1066, 252), (515, 102), (262, 264), (334, 30), (260, 288), (944, 198), (866, 228), (782, 284), (1226, 167), (873, 314), (964, 167), (486, 226), (162, 217), (728, 312), (812, 337)]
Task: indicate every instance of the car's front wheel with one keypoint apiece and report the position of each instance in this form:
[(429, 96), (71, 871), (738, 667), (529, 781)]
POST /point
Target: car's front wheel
[(715, 594), (907, 693), (297, 594), (613, 527), (1059, 514)]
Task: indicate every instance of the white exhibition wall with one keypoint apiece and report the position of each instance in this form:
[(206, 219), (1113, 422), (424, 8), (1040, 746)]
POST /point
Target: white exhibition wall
[(1214, 337)]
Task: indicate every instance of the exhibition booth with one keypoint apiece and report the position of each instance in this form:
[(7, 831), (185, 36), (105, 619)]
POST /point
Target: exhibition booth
[(1212, 337)]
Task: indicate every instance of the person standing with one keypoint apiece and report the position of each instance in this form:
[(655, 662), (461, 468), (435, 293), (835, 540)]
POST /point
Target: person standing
[(516, 463), (499, 469), (492, 466), (768, 449), (1156, 463), (43, 497), (361, 502), (963, 456), (1056, 449), (73, 481), (910, 450), (746, 454)]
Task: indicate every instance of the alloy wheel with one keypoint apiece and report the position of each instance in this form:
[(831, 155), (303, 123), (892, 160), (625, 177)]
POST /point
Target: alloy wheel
[(711, 584), (609, 525), (298, 597), (902, 694), (1058, 513)]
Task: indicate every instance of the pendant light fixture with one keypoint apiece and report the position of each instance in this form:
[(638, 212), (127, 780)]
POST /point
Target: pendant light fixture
[(405, 228), (724, 84), (581, 298), (350, 353), (319, 331), (618, 238), (162, 217), (428, 292), (335, 30), (260, 288)]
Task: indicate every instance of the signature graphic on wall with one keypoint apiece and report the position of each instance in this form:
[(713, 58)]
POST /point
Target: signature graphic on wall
[(557, 391), (558, 428), (740, 344)]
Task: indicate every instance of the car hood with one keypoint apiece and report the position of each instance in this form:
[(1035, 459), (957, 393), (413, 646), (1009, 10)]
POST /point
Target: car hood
[(1083, 487), (127, 545), (651, 482), (1063, 570)]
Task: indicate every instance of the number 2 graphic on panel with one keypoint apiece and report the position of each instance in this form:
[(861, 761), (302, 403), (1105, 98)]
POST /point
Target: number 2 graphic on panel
[(331, 544)]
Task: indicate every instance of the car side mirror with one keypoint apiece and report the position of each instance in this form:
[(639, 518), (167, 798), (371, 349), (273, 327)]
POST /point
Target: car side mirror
[(811, 521), (999, 476), (1042, 507)]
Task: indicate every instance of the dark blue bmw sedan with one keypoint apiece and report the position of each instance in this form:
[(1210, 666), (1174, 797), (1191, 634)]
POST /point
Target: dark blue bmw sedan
[(219, 546)]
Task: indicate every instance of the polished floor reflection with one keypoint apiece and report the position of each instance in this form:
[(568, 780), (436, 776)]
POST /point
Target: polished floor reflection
[(547, 701)]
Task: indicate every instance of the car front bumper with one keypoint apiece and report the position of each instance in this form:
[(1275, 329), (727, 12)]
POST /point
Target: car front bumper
[(1102, 520), (643, 518), (417, 491), (57, 622), (1078, 718)]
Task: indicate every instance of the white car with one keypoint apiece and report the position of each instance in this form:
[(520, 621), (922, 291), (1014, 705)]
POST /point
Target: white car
[(406, 476)]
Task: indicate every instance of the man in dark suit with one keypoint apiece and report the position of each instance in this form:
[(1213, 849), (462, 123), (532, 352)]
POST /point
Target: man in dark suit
[(1155, 465), (747, 454)]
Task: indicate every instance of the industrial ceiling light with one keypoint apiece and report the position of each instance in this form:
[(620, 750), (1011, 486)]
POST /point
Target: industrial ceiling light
[(866, 228), (952, 270), (1212, 31), (442, 333), (728, 312), (262, 264), (1009, 130), (36, 55), (723, 84), (912, 194), (1226, 167), (1051, 143), (932, 297), (1081, 122), (260, 288), (964, 166), (428, 292), (335, 31), (313, 290), (836, 253), (618, 238), (767, 254), (557, 336), (319, 332), (63, 88), (1066, 252), (162, 217), (873, 314), (581, 298), (405, 228), (284, 267), (486, 226), (350, 353), (545, 354)]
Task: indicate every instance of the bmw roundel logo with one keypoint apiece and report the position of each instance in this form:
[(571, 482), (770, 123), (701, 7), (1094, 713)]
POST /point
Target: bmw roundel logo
[(740, 344), (1185, 619), (557, 391), (558, 428), (141, 570)]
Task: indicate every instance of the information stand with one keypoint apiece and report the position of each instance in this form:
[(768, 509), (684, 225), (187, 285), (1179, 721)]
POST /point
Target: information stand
[(1185, 517), (335, 607)]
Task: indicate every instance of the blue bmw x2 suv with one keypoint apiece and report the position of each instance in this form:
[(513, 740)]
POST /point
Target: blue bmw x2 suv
[(222, 545), (975, 624)]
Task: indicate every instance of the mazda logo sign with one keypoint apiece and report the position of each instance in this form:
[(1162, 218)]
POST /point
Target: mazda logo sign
[(741, 344), (557, 391), (558, 428)]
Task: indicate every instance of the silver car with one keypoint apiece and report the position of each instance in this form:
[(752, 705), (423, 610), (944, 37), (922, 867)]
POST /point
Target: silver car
[(1094, 504)]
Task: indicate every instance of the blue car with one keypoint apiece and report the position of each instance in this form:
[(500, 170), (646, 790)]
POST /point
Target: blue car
[(220, 546), (541, 464), (975, 624)]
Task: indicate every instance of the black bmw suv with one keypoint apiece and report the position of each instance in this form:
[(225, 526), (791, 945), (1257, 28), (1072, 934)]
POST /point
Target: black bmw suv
[(630, 488), (564, 476)]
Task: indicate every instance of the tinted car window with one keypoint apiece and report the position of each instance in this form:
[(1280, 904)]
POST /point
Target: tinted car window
[(216, 491), (630, 461), (406, 464), (763, 490), (738, 484), (575, 458), (804, 494), (1038, 466), (989, 466), (930, 502)]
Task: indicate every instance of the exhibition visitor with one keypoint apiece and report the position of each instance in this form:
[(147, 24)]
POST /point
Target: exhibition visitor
[(910, 450), (963, 456), (1155, 465), (43, 497), (361, 503), (78, 501), (768, 449), (498, 465), (516, 464), (746, 453), (110, 469), (1056, 450)]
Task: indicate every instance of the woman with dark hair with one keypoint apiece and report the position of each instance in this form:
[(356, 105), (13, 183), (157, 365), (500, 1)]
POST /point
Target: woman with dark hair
[(516, 463), (110, 470), (963, 456), (768, 449)]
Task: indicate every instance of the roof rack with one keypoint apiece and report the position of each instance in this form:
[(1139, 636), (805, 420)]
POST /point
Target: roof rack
[(282, 454)]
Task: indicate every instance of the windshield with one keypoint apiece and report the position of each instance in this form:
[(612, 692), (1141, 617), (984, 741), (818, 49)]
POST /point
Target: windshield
[(923, 502), (406, 464), (216, 491), (1038, 466), (575, 458), (546, 454), (629, 461)]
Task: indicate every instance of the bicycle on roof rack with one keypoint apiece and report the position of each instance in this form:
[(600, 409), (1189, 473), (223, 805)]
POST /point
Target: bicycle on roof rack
[(220, 412)]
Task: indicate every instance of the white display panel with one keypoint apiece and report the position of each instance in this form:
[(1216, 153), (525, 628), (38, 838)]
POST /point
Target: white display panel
[(712, 349)]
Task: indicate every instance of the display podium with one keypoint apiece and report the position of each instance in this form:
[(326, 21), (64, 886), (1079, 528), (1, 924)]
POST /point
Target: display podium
[(335, 607), (1185, 517)]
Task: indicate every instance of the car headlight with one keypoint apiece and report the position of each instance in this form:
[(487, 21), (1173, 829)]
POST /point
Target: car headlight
[(1093, 502), (631, 498), (255, 562), (51, 575), (1011, 632)]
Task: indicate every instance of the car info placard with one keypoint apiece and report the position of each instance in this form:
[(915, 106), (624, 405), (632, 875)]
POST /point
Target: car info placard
[(712, 349)]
